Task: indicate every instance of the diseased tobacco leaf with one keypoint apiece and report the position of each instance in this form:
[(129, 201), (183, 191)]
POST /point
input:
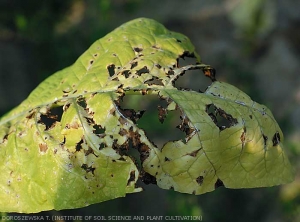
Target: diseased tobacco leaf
[(66, 145)]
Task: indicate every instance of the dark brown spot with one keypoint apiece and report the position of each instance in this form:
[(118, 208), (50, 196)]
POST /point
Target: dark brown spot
[(158, 66), (265, 139), (156, 47), (133, 65), (137, 49), (43, 147), (194, 153), (199, 180), (167, 159), (276, 139)]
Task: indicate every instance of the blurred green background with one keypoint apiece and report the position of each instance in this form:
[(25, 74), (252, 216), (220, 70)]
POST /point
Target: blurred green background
[(254, 45)]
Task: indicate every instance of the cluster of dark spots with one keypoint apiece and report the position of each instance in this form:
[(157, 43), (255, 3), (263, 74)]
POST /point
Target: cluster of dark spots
[(276, 139), (88, 168), (52, 116), (111, 69), (148, 178), (200, 180), (219, 183), (220, 118), (131, 177)]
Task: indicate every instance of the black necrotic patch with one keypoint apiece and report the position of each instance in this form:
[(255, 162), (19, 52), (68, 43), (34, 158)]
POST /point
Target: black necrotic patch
[(53, 115), (276, 139), (137, 49), (88, 168), (142, 70)]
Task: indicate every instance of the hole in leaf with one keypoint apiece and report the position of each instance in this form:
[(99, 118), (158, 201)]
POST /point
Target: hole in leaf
[(152, 118), (191, 79), (81, 102), (219, 183), (53, 115), (111, 69), (222, 119), (148, 179), (154, 81), (98, 130)]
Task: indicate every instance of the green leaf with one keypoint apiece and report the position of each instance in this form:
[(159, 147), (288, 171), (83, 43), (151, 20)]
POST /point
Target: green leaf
[(66, 145)]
